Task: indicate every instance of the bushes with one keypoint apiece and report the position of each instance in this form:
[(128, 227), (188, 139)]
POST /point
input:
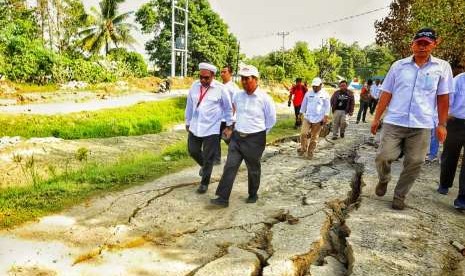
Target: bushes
[(133, 64)]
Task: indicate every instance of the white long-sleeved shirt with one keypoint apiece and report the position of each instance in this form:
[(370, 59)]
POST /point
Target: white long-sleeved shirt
[(315, 106), (232, 89), (205, 119), (255, 112)]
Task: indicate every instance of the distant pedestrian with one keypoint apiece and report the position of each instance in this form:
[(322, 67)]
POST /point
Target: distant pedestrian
[(255, 116), (207, 103), (365, 99), (374, 91), (413, 89), (315, 110), (454, 143), (296, 95), (342, 104), (231, 87)]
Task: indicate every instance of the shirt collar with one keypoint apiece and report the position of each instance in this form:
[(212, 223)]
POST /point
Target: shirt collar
[(409, 59)]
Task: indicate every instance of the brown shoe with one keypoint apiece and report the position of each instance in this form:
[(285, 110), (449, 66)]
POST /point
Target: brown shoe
[(381, 189), (300, 152), (398, 204)]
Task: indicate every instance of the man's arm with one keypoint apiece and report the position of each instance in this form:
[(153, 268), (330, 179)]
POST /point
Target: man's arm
[(383, 103), (443, 111), (188, 111)]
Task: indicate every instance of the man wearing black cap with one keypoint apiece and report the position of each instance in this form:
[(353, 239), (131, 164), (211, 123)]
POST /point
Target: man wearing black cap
[(415, 88)]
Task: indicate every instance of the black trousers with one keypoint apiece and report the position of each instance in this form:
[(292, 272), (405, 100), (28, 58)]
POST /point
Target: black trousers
[(203, 150), (298, 121), (373, 104), (249, 149), (363, 109), (218, 152), (453, 145)]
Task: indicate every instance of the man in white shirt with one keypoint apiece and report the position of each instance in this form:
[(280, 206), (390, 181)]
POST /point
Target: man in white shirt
[(315, 109), (207, 104), (231, 87), (374, 91), (414, 88), (255, 116), (455, 142)]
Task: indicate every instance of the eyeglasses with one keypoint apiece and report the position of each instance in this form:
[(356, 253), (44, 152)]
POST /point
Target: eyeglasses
[(204, 77)]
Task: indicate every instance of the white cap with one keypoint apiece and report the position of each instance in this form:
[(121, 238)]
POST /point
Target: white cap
[(207, 66), (316, 82), (249, 70)]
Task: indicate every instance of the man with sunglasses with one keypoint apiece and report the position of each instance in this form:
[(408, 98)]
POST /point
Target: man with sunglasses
[(207, 103), (414, 89), (255, 116)]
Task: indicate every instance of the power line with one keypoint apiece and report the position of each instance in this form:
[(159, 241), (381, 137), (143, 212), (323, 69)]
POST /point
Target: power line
[(346, 18)]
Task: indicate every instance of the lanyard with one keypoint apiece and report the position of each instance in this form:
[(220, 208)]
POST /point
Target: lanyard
[(202, 95)]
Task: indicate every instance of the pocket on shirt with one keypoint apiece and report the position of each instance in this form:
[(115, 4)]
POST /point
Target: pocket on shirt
[(430, 83)]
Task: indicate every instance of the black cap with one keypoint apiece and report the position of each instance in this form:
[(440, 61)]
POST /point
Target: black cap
[(426, 34)]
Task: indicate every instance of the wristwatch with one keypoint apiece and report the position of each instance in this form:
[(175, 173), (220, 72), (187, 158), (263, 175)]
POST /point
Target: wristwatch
[(443, 125)]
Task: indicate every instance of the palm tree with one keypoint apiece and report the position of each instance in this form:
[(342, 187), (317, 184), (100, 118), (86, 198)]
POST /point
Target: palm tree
[(108, 27)]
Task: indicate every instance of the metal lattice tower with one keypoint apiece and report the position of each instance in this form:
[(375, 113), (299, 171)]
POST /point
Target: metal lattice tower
[(179, 36)]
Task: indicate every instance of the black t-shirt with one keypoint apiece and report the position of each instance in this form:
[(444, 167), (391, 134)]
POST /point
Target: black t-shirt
[(342, 101)]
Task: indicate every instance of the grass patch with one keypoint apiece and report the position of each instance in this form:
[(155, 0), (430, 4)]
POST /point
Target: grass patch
[(21, 204), (144, 118)]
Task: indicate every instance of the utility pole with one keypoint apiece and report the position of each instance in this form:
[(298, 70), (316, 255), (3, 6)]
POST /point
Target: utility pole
[(283, 34), (238, 56), (181, 48)]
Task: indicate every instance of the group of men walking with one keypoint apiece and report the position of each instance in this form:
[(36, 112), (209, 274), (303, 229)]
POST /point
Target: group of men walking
[(416, 95), (243, 118)]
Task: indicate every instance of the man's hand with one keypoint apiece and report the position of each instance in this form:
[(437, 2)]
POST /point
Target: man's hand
[(289, 103), (325, 120), (374, 126), (227, 132), (187, 128), (441, 133)]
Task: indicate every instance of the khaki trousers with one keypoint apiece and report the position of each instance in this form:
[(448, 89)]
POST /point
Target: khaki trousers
[(339, 121), (309, 131), (414, 143)]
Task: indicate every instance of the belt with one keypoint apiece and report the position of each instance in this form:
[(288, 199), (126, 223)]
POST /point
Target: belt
[(244, 135), (457, 120)]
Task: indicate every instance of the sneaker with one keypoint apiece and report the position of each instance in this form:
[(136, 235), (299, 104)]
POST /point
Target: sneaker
[(443, 190), (251, 199), (381, 189), (342, 135), (202, 189), (398, 204), (459, 203), (219, 202), (201, 172)]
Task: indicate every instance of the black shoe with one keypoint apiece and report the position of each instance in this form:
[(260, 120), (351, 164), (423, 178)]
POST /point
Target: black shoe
[(201, 172), (202, 189), (251, 199), (342, 135), (219, 202), (334, 138), (357, 122)]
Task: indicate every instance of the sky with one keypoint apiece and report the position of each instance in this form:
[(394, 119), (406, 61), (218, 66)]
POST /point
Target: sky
[(256, 22)]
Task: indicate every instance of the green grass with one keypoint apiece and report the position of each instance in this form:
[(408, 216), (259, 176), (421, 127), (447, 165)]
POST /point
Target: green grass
[(144, 118), (21, 204)]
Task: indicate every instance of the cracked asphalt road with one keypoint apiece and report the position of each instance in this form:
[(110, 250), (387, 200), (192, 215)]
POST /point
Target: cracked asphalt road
[(316, 217)]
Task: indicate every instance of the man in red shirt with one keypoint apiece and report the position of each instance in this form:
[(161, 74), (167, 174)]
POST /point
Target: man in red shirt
[(298, 90)]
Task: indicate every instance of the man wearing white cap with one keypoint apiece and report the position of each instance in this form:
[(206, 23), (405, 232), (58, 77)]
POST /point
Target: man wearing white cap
[(255, 116), (207, 103), (315, 109)]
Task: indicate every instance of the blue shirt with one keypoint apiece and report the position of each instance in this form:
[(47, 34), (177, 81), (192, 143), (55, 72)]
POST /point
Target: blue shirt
[(255, 112), (457, 98), (315, 106), (205, 119), (414, 91), (374, 90)]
